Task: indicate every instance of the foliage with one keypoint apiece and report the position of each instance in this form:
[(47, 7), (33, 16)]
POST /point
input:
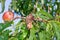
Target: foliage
[(46, 23)]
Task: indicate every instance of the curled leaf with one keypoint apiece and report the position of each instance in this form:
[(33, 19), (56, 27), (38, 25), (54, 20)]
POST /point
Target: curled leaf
[(29, 20)]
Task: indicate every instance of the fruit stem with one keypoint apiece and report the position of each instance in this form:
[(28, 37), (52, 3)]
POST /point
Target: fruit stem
[(19, 17)]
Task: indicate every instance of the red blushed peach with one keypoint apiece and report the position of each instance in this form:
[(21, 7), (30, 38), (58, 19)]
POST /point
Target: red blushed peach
[(8, 16)]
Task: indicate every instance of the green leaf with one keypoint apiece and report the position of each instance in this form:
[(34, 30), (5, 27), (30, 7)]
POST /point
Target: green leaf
[(4, 35), (4, 25), (56, 26), (3, 5), (42, 36), (13, 38), (23, 31), (32, 34), (45, 13)]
